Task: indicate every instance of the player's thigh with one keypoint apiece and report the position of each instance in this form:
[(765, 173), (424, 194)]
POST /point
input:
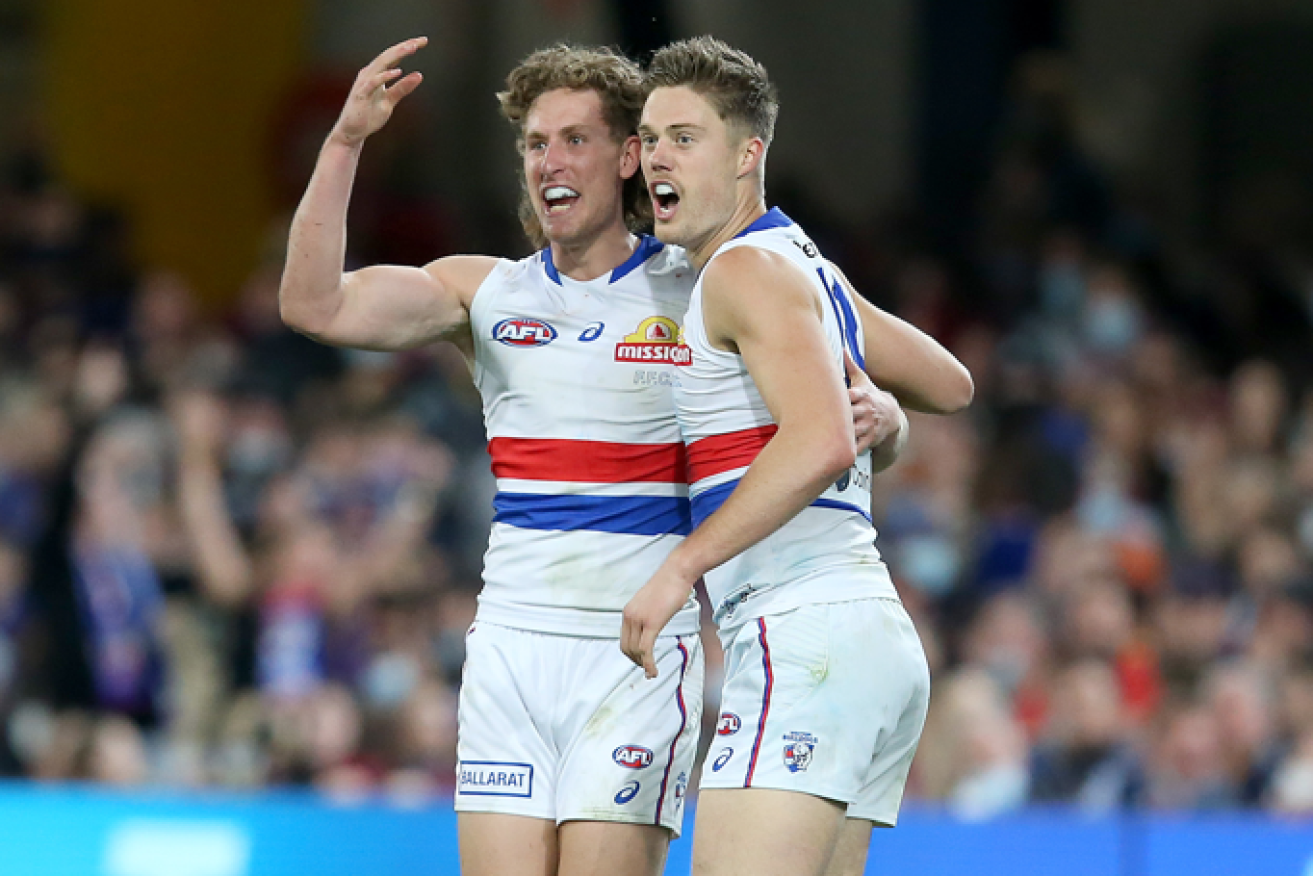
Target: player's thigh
[(851, 849), (603, 848), (764, 832), (885, 776), (494, 844), (507, 760), (630, 756)]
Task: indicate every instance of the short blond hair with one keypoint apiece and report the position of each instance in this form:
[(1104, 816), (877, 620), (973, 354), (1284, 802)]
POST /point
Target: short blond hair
[(615, 79), (732, 82)]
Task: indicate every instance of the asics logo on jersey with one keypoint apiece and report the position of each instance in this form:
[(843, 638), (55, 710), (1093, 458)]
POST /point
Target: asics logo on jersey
[(521, 331), (633, 757), (657, 339)]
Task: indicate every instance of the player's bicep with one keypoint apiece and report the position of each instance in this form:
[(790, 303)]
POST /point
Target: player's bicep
[(393, 307)]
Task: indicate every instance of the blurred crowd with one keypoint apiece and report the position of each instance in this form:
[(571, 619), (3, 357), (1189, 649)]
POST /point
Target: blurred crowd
[(232, 557)]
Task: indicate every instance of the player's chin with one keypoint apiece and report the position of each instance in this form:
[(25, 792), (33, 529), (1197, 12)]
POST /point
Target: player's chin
[(557, 225), (668, 231)]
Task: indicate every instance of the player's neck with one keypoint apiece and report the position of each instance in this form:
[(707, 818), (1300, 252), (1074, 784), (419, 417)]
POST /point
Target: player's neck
[(748, 210), (590, 258)]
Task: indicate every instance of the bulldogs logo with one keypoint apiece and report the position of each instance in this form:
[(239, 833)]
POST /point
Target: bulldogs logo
[(798, 750)]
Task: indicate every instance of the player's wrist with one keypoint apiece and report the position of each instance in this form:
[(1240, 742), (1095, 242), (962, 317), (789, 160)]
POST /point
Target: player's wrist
[(339, 139), (683, 568)]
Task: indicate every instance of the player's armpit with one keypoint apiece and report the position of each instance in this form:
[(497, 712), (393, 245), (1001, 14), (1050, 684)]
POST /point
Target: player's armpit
[(906, 361)]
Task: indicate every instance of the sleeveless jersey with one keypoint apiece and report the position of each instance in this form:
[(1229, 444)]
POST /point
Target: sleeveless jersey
[(591, 486), (825, 554)]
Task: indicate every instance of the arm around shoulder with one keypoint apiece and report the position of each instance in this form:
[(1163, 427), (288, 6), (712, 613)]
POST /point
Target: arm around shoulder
[(904, 360)]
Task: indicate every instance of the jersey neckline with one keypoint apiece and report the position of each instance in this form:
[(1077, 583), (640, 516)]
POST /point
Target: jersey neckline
[(648, 246), (772, 218)]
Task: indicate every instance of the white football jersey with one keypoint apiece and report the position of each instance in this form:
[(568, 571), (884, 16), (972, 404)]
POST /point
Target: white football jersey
[(591, 487), (825, 554)]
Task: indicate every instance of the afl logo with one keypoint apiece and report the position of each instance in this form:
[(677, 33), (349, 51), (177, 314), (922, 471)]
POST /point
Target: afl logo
[(728, 724), (633, 757), (523, 332)]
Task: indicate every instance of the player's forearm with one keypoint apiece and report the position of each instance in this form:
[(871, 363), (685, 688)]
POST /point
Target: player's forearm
[(311, 292), (795, 467)]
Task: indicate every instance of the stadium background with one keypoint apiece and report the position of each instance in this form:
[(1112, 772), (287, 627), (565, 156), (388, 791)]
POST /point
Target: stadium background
[(236, 568)]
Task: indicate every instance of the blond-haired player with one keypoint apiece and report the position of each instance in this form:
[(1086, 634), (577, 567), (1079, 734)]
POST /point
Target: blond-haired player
[(826, 684)]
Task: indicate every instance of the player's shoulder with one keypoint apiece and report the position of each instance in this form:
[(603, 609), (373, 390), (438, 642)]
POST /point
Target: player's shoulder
[(664, 274), (513, 273), (668, 260), (739, 275), (742, 263)]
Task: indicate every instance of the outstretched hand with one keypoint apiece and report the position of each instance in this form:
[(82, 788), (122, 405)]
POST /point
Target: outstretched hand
[(372, 98), (875, 412)]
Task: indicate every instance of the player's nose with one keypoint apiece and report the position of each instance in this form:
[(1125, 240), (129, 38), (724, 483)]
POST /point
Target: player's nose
[(551, 160), (658, 157)]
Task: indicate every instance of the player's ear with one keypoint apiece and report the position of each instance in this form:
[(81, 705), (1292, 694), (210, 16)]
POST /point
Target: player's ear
[(630, 157), (751, 156)]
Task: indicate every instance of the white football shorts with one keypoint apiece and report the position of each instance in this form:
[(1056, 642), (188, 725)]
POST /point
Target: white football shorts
[(827, 700), (567, 728)]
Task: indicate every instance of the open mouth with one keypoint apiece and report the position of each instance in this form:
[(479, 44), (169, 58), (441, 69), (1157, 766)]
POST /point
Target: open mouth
[(665, 200), (558, 199)]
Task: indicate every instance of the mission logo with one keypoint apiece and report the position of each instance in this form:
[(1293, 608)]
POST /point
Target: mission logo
[(656, 340)]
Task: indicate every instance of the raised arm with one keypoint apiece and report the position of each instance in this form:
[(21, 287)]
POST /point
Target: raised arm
[(763, 306), (907, 362), (384, 307)]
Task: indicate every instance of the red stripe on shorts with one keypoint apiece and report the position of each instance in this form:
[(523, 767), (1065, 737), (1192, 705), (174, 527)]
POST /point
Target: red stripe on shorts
[(683, 722), (765, 699)]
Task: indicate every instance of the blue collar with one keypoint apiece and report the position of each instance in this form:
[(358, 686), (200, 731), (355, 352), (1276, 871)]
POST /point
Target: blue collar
[(772, 218), (648, 246)]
